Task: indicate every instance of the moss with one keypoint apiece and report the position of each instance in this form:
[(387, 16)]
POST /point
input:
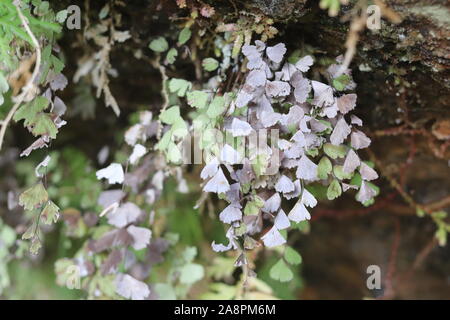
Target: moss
[(281, 8), (438, 14)]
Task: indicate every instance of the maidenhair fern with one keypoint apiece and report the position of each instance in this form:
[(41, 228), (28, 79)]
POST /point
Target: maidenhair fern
[(317, 143), (268, 133)]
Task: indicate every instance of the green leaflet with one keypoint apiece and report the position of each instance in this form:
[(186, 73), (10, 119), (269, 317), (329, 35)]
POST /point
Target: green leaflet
[(443, 228), (314, 152), (179, 86), (216, 107), (239, 111), (241, 230), (171, 115), (441, 236), (208, 140), (61, 267), (324, 168), (184, 36), (201, 122), (43, 7), (334, 190), (439, 215), (50, 213), (253, 207), (39, 122), (197, 99), (420, 212), (295, 56), (29, 111), (259, 165), (340, 174), (159, 44), (189, 254), (179, 128), (7, 235), (61, 16), (191, 273), (258, 201), (35, 246), (333, 151), (245, 187), (281, 272), (292, 257), (341, 82), (164, 141), (249, 242), (356, 180), (33, 197), (210, 64), (165, 291), (57, 64), (171, 55), (173, 153), (219, 291), (52, 62), (29, 233), (44, 125)]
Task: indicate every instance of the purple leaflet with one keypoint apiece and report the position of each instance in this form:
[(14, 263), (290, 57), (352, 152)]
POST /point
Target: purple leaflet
[(304, 63), (240, 128), (346, 103), (230, 214), (277, 88), (281, 220), (359, 140), (276, 52), (141, 237), (284, 185), (367, 173), (273, 203), (351, 162), (210, 169), (299, 213), (308, 199), (273, 238), (340, 132), (256, 78), (365, 192), (323, 94), (306, 169), (218, 183)]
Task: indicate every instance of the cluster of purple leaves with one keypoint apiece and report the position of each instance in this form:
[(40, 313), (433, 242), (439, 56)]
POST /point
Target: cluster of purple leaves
[(128, 229), (314, 120)]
